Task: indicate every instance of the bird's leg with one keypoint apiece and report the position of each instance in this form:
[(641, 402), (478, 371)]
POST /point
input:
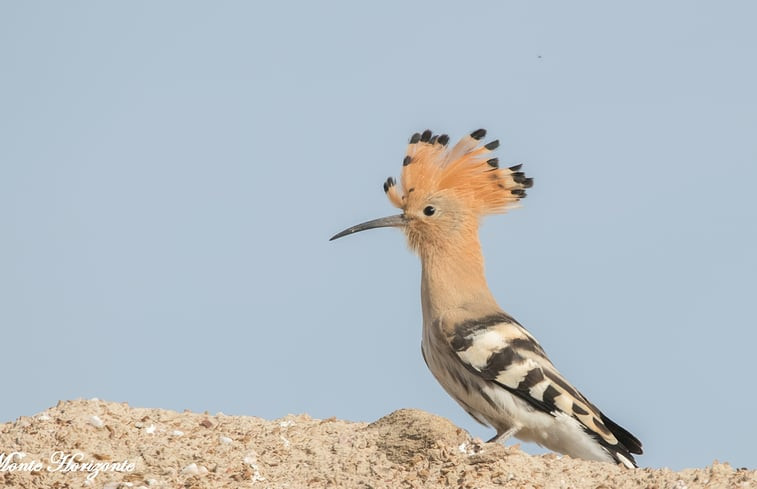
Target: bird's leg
[(503, 436)]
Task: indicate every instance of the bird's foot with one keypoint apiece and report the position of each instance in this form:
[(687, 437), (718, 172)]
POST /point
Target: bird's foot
[(503, 436)]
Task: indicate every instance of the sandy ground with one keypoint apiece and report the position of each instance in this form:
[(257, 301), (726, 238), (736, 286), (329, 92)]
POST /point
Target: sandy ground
[(110, 445)]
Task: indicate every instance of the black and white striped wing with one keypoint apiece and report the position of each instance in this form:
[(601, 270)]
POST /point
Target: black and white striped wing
[(500, 350)]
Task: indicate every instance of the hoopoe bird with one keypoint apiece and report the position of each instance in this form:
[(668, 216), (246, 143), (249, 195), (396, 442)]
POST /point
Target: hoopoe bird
[(482, 357)]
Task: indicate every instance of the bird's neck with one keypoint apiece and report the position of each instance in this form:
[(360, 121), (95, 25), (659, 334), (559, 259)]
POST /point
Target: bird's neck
[(453, 278)]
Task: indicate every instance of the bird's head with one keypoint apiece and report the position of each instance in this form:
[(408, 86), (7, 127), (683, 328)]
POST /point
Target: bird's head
[(443, 191)]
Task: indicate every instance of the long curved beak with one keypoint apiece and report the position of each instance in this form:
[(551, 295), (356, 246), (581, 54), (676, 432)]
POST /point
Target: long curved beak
[(397, 221)]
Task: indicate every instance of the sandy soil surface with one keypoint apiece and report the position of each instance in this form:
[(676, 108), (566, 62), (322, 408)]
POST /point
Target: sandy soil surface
[(110, 445)]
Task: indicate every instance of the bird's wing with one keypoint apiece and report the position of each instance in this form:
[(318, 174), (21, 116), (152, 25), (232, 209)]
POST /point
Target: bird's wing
[(500, 350)]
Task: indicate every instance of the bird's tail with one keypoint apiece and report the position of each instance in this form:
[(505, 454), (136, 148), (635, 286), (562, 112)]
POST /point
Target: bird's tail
[(627, 443)]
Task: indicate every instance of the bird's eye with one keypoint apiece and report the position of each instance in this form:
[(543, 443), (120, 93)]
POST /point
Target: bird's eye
[(429, 210)]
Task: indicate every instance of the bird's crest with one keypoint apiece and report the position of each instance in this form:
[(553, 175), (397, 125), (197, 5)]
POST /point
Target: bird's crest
[(468, 171)]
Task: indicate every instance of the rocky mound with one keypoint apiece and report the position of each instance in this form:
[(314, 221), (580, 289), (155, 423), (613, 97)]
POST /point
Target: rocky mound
[(104, 444)]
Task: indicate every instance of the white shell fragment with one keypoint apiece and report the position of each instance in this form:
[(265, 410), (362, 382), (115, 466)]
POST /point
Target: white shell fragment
[(96, 421), (194, 469), (252, 460)]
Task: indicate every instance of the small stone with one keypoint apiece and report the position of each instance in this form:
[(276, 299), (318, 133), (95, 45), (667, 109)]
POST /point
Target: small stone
[(96, 421), (191, 469)]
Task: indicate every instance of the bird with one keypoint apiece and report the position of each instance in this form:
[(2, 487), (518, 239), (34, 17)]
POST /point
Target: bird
[(482, 357)]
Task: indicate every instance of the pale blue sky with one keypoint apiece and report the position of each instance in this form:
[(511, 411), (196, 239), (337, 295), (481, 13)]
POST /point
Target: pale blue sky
[(170, 174)]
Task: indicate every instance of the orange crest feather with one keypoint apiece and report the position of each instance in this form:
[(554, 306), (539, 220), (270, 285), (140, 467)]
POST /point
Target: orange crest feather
[(467, 171)]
